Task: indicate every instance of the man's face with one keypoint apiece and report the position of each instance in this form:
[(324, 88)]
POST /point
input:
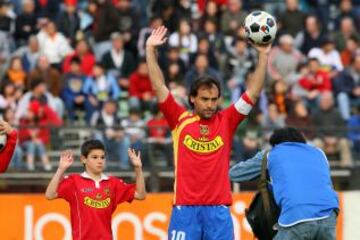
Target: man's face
[(206, 101), (95, 161)]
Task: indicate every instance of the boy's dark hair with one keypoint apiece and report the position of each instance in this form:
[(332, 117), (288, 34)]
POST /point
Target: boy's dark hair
[(75, 60), (206, 81), (90, 145), (288, 134)]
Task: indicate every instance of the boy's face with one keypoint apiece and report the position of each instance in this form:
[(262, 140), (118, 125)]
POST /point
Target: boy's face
[(95, 161)]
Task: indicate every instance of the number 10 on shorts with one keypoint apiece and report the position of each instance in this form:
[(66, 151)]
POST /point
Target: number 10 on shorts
[(177, 235)]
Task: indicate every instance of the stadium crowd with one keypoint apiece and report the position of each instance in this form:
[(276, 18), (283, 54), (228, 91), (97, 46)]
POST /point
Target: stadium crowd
[(78, 62)]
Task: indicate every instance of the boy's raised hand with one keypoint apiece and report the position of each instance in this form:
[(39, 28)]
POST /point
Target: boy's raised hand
[(135, 158), (66, 159)]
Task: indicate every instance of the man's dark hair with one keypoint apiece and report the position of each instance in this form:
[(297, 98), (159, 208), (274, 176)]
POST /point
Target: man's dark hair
[(90, 145), (287, 134), (206, 81)]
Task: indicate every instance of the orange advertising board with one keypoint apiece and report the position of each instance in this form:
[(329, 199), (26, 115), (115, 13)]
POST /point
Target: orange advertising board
[(31, 217)]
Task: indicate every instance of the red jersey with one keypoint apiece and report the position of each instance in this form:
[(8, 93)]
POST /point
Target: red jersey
[(8, 151), (202, 152), (92, 204)]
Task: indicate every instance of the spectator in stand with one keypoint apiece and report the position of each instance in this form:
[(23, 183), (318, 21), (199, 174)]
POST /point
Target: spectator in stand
[(328, 56), (238, 63), (119, 61), (212, 13), (34, 133), (159, 138), (233, 17), (351, 50), (15, 73), (53, 44), (173, 57), (38, 91), (284, 59), (291, 21), (29, 54), (111, 133), (72, 94), (330, 135), (347, 10), (347, 88), (299, 118), (106, 21), (7, 20), (129, 24), (347, 30), (205, 49), (83, 52), (185, 40), (202, 68), (312, 36), (140, 90), (100, 88), (145, 32), (280, 96), (68, 21), (49, 74), (26, 23), (214, 37), (315, 82), (248, 146), (273, 120), (47, 9), (134, 127), (9, 96)]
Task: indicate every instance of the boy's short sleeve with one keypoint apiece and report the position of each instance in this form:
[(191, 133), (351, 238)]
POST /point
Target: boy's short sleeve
[(124, 192), (66, 188)]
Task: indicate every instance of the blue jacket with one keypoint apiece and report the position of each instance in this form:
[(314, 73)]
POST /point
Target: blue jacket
[(300, 179)]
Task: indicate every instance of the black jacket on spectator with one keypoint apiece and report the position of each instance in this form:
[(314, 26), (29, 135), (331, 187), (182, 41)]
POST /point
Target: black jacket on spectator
[(310, 43), (345, 82), (25, 21), (5, 23), (127, 67), (68, 24)]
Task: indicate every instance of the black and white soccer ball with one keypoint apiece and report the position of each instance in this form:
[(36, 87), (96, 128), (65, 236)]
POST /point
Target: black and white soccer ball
[(260, 27), (3, 140)]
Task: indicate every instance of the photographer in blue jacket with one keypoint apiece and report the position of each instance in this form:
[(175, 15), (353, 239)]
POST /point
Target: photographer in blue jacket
[(301, 183)]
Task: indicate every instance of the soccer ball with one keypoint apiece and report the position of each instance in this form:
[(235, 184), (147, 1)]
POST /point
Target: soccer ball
[(3, 139), (260, 27)]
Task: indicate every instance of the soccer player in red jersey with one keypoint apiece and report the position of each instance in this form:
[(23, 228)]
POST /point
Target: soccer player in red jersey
[(7, 151), (202, 142), (92, 195)]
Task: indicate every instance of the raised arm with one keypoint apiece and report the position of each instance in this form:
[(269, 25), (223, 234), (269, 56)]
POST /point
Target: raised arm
[(255, 87), (140, 192), (66, 159), (156, 39)]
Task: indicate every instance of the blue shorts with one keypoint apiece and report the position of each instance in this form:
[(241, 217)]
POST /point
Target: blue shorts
[(201, 223)]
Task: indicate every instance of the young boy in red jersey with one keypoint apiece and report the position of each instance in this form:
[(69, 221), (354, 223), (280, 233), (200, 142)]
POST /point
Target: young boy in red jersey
[(7, 151), (92, 195)]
